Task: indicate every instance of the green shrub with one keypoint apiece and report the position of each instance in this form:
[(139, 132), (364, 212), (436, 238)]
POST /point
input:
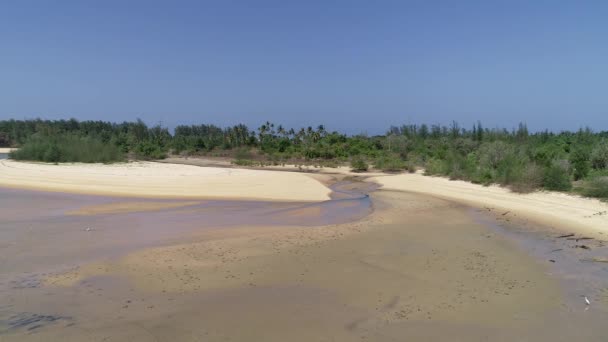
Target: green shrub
[(596, 187), (493, 154), (358, 164), (528, 180), (243, 153), (148, 150), (243, 157), (389, 163), (483, 175), (411, 167), (599, 156), (330, 163), (435, 167), (458, 166), (67, 148), (243, 162), (579, 159), (557, 178)]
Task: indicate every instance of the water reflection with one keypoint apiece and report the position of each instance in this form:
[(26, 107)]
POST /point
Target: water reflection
[(36, 231)]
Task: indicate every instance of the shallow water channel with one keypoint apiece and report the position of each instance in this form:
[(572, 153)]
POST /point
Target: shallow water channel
[(423, 269), (44, 232)]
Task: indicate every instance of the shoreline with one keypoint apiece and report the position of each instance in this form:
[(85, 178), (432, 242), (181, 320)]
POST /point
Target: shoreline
[(181, 179), (568, 213), (416, 260), (156, 180), (384, 287)]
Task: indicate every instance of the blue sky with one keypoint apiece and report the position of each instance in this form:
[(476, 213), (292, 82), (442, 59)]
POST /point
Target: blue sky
[(355, 66)]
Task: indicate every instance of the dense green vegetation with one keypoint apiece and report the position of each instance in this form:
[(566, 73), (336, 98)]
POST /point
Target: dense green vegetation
[(358, 164), (68, 148), (524, 161)]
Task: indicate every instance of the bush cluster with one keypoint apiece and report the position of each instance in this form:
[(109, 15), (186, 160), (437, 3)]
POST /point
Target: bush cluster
[(68, 148), (358, 164), (517, 159), (596, 187)]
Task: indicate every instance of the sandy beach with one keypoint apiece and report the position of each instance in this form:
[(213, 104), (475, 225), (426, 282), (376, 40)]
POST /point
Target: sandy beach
[(148, 179), (227, 163), (205, 178), (281, 172), (202, 178), (409, 261), (564, 211), (417, 268), (567, 212)]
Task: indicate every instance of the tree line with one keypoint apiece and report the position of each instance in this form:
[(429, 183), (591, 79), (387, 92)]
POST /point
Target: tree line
[(522, 160)]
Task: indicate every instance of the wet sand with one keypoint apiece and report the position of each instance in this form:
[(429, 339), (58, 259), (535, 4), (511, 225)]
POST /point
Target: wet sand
[(67, 229), (413, 268), (565, 211)]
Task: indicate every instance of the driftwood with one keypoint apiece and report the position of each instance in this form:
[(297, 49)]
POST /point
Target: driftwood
[(581, 238), (595, 260), (565, 236)]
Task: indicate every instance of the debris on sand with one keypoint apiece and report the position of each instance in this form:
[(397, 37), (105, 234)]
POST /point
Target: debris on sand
[(604, 260), (582, 246), (587, 301), (581, 238), (505, 213), (88, 229), (565, 236)]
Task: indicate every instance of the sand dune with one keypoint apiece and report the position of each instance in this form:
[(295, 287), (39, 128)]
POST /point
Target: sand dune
[(560, 210), (147, 179)]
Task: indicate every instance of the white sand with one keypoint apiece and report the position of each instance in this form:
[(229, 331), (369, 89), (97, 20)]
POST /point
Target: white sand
[(146, 179), (563, 211), (226, 162), (6, 149), (149, 179)]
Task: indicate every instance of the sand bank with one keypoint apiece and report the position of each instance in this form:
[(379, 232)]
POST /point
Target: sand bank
[(567, 212), (227, 163), (418, 268), (127, 207), (6, 149), (147, 179)]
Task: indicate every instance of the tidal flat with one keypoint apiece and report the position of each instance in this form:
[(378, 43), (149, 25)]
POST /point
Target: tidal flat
[(368, 264)]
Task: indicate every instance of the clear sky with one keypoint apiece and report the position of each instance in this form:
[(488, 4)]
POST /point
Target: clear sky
[(355, 66)]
